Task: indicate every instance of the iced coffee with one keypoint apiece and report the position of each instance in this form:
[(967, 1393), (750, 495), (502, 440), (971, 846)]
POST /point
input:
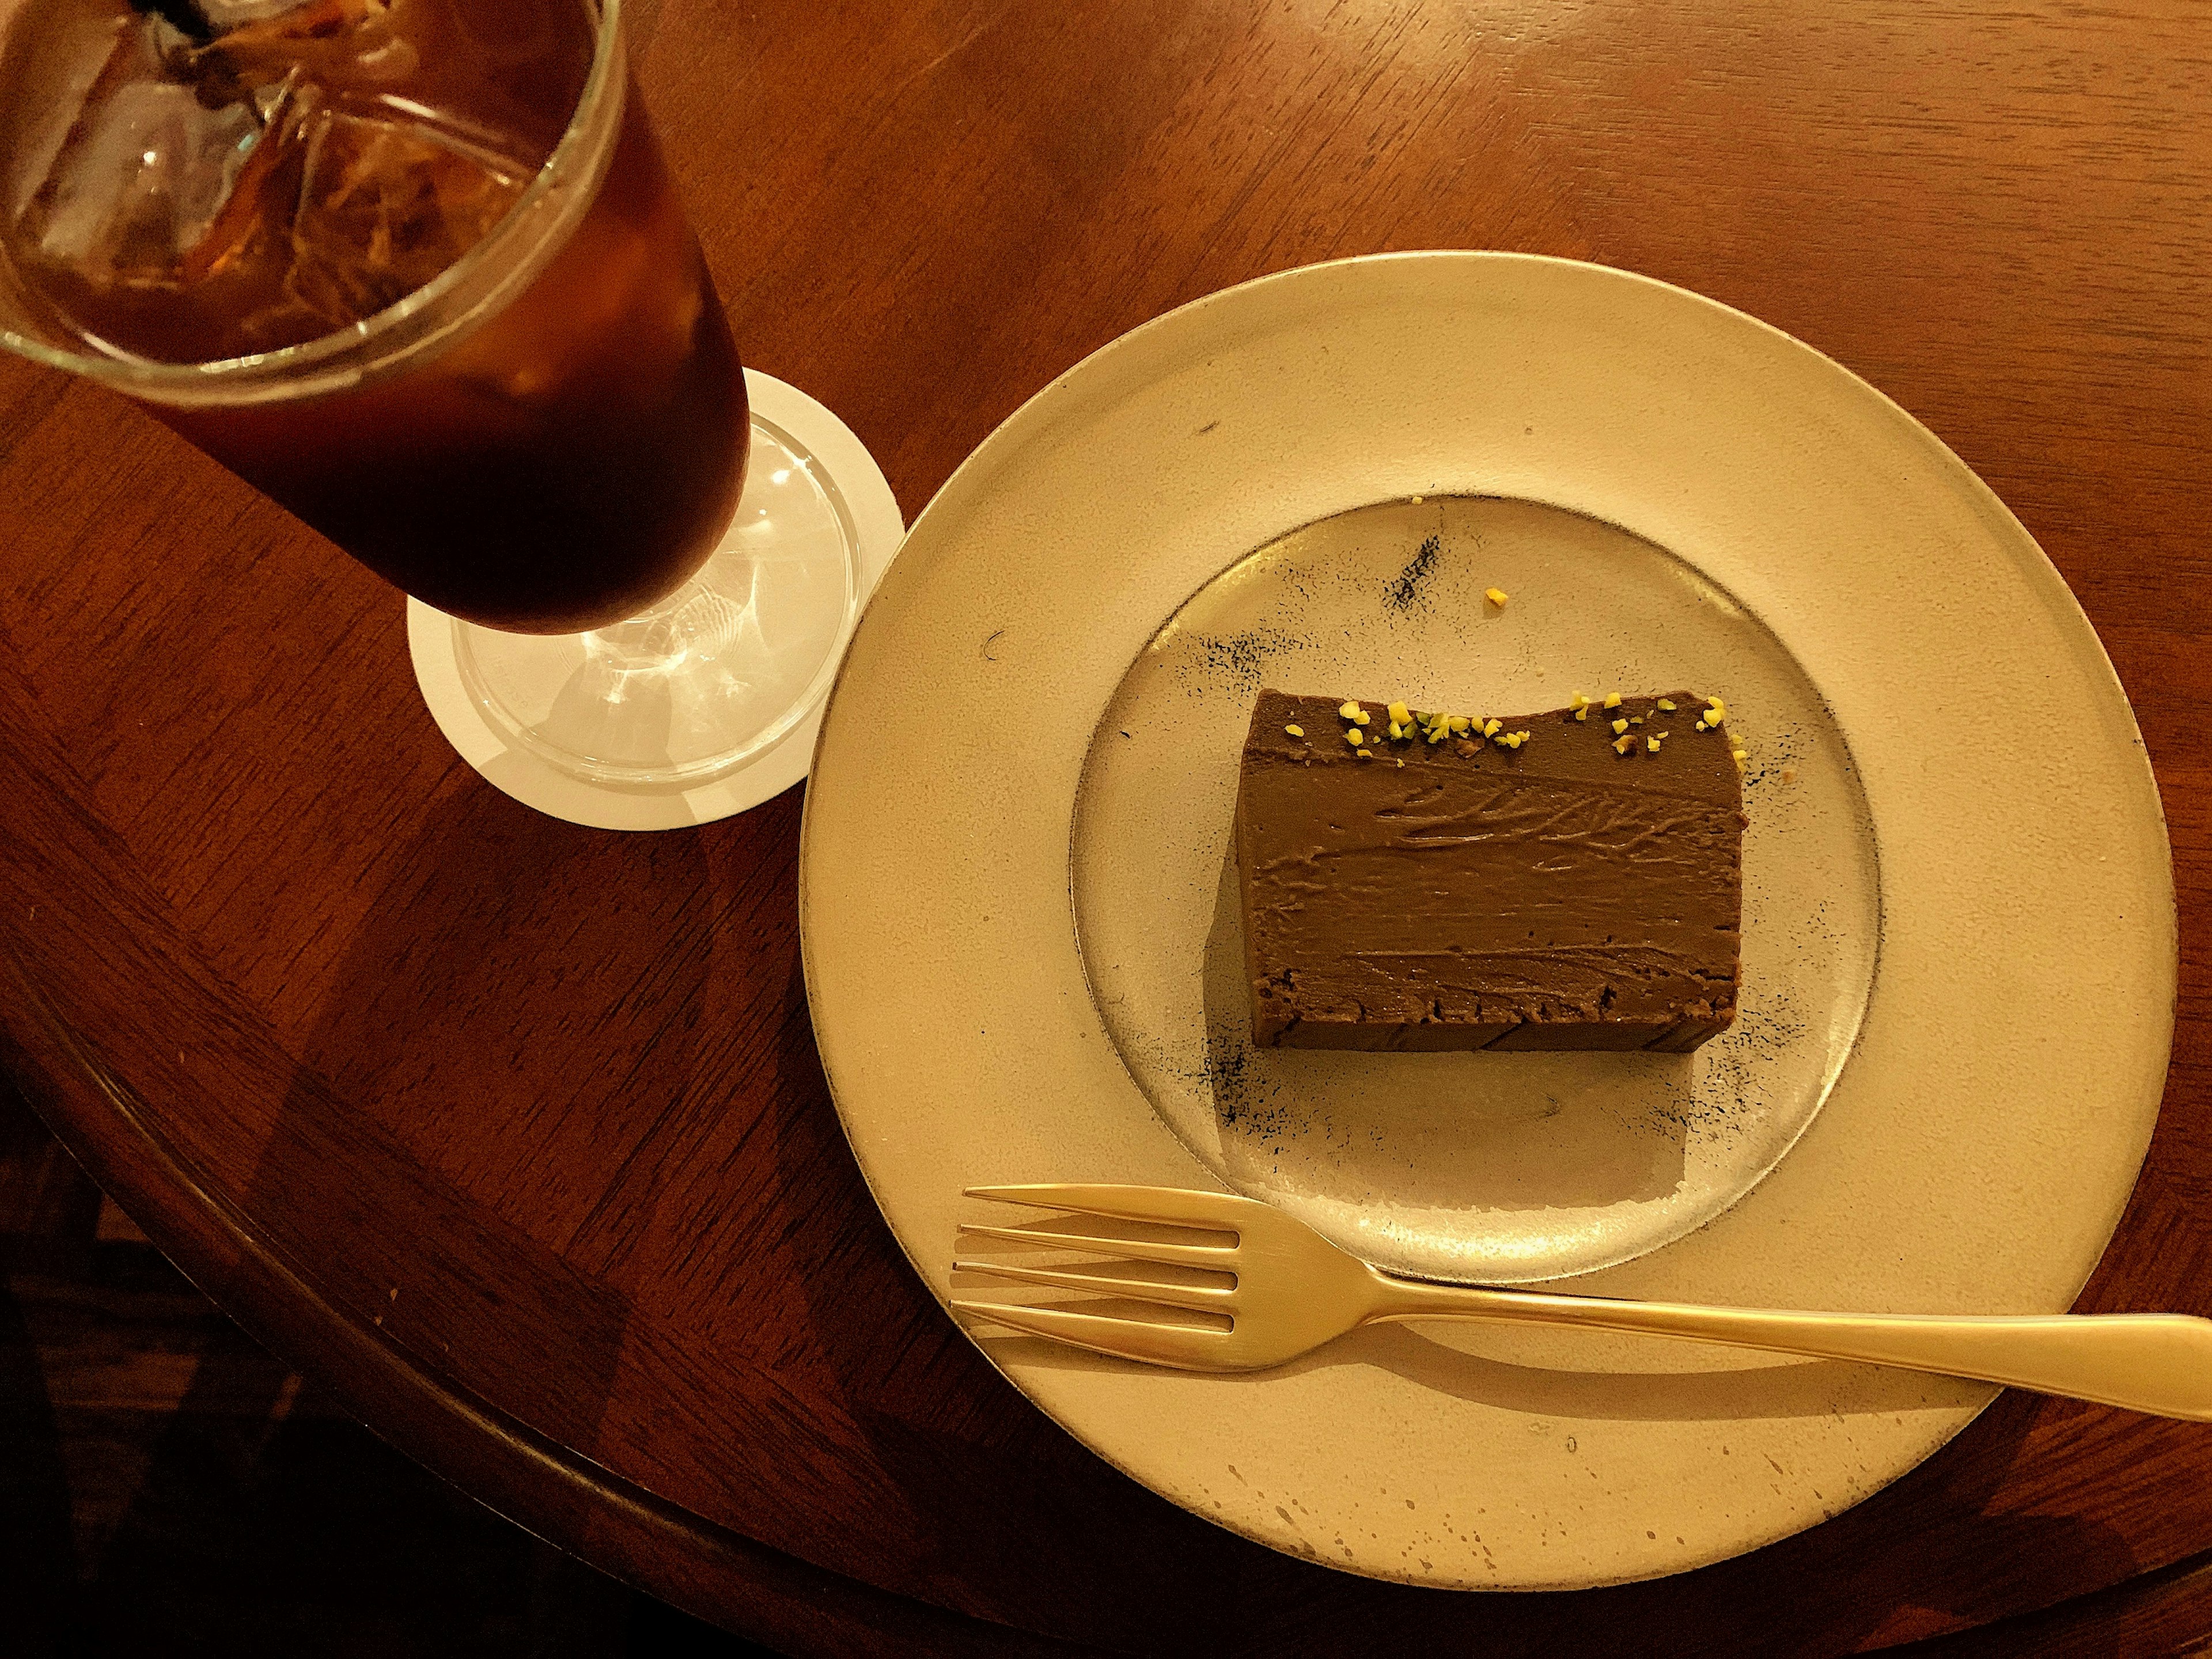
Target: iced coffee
[(522, 406)]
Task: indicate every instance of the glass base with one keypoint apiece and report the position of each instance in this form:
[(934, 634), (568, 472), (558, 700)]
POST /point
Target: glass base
[(712, 675)]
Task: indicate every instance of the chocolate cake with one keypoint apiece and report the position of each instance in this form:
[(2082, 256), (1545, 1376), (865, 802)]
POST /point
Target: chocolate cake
[(1459, 885)]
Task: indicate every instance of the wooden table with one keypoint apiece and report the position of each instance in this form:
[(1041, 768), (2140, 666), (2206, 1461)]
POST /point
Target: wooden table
[(514, 1133)]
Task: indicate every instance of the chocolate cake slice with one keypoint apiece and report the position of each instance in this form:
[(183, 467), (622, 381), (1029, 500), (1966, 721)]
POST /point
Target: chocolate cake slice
[(1580, 888)]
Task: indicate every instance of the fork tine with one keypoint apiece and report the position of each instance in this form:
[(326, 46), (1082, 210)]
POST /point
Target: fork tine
[(1210, 1297), (1180, 1346), (1167, 1204), (1133, 1249)]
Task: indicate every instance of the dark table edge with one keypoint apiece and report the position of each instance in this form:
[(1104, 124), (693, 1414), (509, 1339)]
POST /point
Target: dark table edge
[(743, 1585), (2162, 1610)]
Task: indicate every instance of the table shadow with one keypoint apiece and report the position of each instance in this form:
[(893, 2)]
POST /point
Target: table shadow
[(38, 1558), (451, 1068)]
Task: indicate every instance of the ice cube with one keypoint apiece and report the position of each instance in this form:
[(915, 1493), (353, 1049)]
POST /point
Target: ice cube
[(190, 201), (141, 177), (385, 206)]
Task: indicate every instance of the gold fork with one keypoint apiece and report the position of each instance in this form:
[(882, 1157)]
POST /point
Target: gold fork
[(1291, 1290)]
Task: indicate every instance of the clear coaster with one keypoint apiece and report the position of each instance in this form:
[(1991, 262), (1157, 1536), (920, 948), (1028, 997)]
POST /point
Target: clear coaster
[(707, 703)]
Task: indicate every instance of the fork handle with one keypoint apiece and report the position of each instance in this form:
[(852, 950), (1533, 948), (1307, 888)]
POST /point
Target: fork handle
[(2161, 1363)]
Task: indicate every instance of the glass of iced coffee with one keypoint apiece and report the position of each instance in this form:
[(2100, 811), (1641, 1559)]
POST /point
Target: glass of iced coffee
[(415, 269)]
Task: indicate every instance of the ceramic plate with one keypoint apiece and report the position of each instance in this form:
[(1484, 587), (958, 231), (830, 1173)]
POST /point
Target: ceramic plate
[(1960, 944)]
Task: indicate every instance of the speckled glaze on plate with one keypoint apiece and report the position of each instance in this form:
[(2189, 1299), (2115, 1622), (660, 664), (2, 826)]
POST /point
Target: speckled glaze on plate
[(1973, 1153)]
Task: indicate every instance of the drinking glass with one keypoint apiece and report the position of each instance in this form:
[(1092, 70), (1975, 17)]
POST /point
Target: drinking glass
[(544, 434)]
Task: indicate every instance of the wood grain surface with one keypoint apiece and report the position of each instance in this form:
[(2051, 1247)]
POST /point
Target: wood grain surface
[(513, 1134)]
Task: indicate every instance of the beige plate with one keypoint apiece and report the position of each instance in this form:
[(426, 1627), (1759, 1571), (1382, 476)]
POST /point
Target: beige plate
[(1961, 928)]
